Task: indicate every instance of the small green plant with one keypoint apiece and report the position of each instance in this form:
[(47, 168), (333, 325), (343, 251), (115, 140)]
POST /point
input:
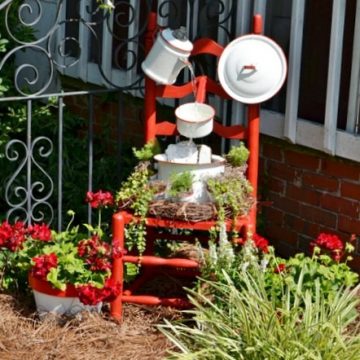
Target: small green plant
[(238, 155), (107, 5), (181, 183), (232, 196), (148, 151), (136, 194)]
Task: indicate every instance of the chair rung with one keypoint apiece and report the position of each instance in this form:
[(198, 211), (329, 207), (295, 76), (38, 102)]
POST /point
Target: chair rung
[(155, 300), (147, 260)]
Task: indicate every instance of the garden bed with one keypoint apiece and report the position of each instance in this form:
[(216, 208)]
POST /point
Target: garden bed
[(88, 336)]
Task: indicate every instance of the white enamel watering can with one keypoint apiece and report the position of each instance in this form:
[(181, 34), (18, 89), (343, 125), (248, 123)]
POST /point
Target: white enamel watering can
[(168, 56)]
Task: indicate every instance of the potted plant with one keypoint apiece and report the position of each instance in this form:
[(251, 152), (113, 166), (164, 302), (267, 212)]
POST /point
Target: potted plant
[(180, 186), (67, 270), (238, 155)]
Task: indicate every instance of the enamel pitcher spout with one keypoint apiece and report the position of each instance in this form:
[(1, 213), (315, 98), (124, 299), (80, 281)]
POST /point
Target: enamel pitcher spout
[(168, 56)]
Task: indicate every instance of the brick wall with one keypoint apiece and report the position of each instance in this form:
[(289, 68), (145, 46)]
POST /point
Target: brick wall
[(306, 192), (125, 119)]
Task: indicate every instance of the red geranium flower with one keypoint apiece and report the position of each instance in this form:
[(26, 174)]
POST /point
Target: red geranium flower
[(91, 295), (329, 243), (95, 253), (261, 243), (40, 232), (43, 264), (99, 199), (5, 233), (280, 268), (13, 236)]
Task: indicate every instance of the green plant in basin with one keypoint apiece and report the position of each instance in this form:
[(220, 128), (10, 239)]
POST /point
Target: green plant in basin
[(181, 184)]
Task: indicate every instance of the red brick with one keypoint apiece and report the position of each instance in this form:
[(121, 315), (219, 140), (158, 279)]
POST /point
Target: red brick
[(280, 170), (301, 160), (284, 249), (282, 234), (348, 225), (340, 205), (301, 226), (303, 195), (304, 243), (321, 182), (355, 264), (276, 185), (317, 215), (273, 152), (340, 169), (285, 204), (350, 190), (273, 216)]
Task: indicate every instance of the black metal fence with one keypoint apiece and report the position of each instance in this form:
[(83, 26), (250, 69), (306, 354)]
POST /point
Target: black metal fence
[(48, 154)]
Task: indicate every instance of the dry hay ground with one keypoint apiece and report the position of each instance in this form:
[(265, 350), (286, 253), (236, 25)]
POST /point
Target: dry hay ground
[(88, 336)]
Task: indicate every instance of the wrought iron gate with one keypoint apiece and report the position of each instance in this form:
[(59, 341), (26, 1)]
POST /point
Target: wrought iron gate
[(43, 44)]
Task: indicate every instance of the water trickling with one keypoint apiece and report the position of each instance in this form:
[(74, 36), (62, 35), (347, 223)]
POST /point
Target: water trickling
[(192, 79)]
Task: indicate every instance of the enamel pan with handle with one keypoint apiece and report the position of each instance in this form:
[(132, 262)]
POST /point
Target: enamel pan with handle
[(252, 69)]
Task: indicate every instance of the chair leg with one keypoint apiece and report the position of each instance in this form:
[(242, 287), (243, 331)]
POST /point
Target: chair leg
[(118, 225)]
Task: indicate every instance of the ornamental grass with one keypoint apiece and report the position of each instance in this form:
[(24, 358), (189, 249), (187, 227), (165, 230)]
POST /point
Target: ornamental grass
[(252, 306)]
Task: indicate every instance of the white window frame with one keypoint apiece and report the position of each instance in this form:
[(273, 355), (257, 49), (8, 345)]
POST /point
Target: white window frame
[(324, 137)]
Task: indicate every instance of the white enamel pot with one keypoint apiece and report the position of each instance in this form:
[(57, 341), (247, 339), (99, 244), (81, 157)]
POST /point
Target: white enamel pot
[(194, 120), (168, 56)]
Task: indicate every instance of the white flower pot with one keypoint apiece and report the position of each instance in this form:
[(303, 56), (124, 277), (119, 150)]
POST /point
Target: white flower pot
[(61, 305), (51, 300)]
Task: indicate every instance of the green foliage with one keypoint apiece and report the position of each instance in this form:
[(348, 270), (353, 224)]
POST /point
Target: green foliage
[(106, 5), (135, 194), (319, 270), (246, 310), (181, 183), (238, 155), (148, 151), (231, 195)]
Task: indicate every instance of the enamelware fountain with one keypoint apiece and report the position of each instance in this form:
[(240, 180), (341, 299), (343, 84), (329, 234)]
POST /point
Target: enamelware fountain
[(251, 69)]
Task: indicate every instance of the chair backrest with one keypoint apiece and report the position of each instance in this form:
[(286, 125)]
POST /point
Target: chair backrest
[(205, 85)]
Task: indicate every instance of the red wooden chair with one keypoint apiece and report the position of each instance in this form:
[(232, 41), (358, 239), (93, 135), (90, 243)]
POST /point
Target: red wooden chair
[(153, 128)]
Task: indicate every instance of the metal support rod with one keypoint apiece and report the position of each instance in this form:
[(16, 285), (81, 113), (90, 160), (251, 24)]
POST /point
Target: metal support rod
[(90, 149), (28, 163), (60, 161)]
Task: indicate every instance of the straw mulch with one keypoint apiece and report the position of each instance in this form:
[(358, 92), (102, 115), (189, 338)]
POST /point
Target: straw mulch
[(84, 337)]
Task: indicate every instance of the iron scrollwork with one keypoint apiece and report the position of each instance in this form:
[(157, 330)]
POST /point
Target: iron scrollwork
[(57, 48)]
